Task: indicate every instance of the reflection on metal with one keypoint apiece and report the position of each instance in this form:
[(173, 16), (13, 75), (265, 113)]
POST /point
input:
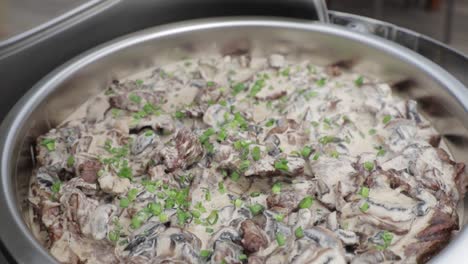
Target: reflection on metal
[(450, 59), (322, 11)]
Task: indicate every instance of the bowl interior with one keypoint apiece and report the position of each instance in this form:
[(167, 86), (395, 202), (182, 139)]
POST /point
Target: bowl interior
[(59, 94)]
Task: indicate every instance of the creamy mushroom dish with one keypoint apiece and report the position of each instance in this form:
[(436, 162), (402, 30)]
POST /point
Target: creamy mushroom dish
[(241, 159)]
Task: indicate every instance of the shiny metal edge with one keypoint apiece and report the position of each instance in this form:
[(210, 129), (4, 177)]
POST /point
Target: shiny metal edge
[(52, 27), (16, 234), (391, 30)]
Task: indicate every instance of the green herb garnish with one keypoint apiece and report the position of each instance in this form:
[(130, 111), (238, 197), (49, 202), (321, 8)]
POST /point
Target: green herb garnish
[(49, 144), (270, 122), (135, 98), (386, 119), (281, 239), (256, 209), (276, 189), (282, 165), (364, 207), (306, 202), (179, 115), (299, 232), (321, 82), (364, 192), (56, 187), (212, 219), (369, 165), (70, 161), (359, 81), (237, 88), (305, 151), (256, 153)]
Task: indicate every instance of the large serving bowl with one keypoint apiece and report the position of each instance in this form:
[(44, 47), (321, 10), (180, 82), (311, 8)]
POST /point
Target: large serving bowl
[(442, 98)]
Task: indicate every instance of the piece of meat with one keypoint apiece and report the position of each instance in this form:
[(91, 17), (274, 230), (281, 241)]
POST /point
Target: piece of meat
[(89, 170), (253, 238), (433, 238)]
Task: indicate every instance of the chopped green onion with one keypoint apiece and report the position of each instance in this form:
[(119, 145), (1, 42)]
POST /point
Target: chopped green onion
[(124, 202), (364, 207), (114, 235), (49, 144), (163, 218), (209, 230), (125, 172), (279, 217), (334, 154), (56, 186), (255, 194), (369, 165), (270, 122), (212, 219), (387, 237), (238, 203), (305, 152), (210, 83), (282, 165), (179, 115), (207, 195), (235, 176), (387, 119), (299, 232), (132, 194), (364, 192), (321, 82), (285, 72), (242, 257), (204, 253), (155, 208), (239, 87), (257, 87), (256, 209), (372, 131), (359, 81), (316, 156), (306, 202), (134, 98), (139, 82), (276, 189), (256, 153), (221, 188), (222, 135), (281, 239), (327, 139), (70, 161)]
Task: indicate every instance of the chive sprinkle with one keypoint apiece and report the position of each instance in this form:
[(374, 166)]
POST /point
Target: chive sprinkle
[(364, 207), (369, 165), (364, 192), (306, 202), (299, 232), (281, 239), (256, 209)]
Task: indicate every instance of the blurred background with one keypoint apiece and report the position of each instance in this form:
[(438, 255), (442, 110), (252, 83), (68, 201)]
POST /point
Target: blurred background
[(445, 20)]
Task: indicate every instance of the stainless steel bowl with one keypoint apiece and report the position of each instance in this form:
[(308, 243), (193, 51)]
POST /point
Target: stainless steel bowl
[(442, 98)]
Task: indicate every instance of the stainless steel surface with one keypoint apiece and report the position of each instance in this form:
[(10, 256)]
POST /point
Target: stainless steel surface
[(22, 18), (63, 90), (450, 59), (322, 11)]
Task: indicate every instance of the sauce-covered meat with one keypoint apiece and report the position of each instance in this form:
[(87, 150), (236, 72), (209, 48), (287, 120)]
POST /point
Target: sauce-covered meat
[(245, 160)]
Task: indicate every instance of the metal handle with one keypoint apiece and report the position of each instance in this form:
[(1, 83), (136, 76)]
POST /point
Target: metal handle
[(322, 11)]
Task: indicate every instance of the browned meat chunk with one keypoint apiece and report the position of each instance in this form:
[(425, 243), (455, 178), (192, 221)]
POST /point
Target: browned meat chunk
[(253, 237), (89, 170)]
